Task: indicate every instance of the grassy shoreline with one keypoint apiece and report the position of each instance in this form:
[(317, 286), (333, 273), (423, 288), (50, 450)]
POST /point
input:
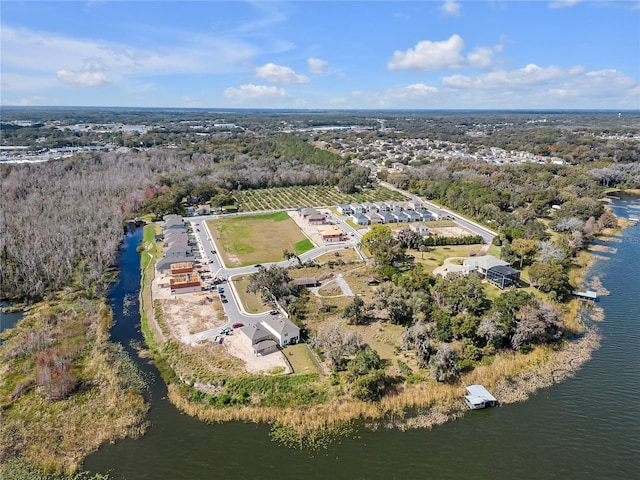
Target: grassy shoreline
[(511, 376)]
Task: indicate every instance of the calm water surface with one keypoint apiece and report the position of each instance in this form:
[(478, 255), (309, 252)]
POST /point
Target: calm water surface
[(585, 428)]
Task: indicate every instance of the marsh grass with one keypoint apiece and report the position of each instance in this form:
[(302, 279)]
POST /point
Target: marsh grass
[(55, 435)]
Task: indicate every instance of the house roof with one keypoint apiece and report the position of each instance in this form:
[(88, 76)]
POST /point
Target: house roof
[(263, 345), (175, 248), (484, 262), (480, 391), (309, 211), (255, 333), (330, 230), (165, 263), (282, 326), (503, 270)]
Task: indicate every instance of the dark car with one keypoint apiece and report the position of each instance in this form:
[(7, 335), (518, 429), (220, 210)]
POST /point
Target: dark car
[(237, 325), (224, 300), (257, 265)]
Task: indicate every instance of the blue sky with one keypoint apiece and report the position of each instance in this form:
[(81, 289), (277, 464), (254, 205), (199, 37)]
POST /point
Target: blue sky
[(327, 54)]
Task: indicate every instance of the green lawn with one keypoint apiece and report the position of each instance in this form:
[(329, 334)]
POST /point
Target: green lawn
[(248, 239), (252, 303), (301, 359), (436, 255)]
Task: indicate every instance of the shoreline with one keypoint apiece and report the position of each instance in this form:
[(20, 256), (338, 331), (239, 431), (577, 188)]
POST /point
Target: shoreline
[(427, 404)]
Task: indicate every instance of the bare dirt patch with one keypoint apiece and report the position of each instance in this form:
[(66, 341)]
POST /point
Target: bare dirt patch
[(452, 231), (188, 313), (260, 364)]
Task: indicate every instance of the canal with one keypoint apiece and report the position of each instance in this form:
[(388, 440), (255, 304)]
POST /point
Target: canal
[(587, 427)]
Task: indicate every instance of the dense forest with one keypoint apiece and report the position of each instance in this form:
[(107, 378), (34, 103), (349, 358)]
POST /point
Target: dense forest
[(63, 221)]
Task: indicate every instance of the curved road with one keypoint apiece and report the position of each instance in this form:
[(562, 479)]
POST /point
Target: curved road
[(233, 307)]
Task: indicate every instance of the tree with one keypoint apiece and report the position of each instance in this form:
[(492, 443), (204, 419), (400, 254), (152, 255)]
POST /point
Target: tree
[(365, 361), (549, 252), (550, 278), (459, 294), (418, 338), (368, 387), (354, 312), (444, 364), (536, 325), (287, 255), (336, 343), (382, 245), (409, 238), (271, 281), (523, 248), (491, 329)]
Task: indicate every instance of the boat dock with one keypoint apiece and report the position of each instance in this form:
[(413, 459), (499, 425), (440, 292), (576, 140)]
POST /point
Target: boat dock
[(588, 295), (479, 397)]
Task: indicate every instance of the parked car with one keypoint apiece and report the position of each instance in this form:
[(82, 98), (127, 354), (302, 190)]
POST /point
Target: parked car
[(257, 265), (273, 312), (224, 300), (237, 325)]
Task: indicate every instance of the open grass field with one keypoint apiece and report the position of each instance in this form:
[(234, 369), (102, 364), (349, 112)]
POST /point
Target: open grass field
[(301, 359), (279, 198), (251, 302), (249, 239), (346, 255), (436, 255)]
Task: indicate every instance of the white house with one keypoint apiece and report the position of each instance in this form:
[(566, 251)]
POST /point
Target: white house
[(283, 329)]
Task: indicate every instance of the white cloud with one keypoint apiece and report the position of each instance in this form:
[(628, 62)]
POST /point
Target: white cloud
[(84, 79), (450, 7), (29, 52), (317, 66), (421, 89), (547, 87), (481, 57), (255, 92), (564, 3), (428, 55), (530, 75), (279, 74), (443, 55)]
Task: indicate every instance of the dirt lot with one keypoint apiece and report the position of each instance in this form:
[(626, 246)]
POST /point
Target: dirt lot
[(190, 313), (449, 231), (253, 364)]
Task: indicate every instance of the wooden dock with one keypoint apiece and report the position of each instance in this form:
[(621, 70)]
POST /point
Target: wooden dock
[(589, 295)]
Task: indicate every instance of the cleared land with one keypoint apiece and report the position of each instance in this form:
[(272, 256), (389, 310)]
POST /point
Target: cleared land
[(248, 239), (310, 196)]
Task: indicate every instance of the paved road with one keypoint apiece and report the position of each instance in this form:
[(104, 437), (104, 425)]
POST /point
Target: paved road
[(233, 308)]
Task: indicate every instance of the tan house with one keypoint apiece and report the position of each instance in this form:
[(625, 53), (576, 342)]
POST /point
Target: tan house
[(258, 339), (331, 233)]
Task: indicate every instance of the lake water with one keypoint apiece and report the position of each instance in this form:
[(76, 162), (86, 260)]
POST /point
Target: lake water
[(585, 428), (8, 320)]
